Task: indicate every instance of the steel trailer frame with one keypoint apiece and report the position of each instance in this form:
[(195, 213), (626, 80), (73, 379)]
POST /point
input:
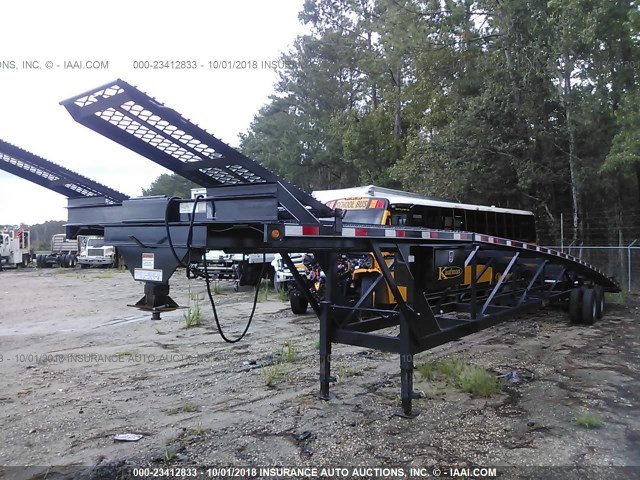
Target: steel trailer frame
[(249, 209)]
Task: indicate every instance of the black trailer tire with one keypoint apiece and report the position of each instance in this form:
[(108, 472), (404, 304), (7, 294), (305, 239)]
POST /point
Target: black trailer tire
[(365, 284), (299, 304), (600, 302), (588, 306), (575, 305), (64, 260)]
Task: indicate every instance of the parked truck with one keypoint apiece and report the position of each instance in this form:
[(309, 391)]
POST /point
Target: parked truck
[(64, 252), (93, 251), (15, 247)]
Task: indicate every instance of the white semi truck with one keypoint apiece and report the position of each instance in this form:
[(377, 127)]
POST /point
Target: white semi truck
[(93, 252), (15, 247)]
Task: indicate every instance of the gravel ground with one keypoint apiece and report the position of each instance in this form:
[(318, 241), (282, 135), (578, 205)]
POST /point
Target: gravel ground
[(79, 367)]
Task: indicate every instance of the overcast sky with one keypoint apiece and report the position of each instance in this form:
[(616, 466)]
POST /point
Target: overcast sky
[(223, 101)]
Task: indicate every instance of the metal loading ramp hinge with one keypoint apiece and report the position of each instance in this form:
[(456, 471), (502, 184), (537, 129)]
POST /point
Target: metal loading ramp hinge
[(47, 174), (135, 120)]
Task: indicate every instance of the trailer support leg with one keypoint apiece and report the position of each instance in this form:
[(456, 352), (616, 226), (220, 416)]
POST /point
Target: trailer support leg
[(325, 350), (406, 388), (406, 370)]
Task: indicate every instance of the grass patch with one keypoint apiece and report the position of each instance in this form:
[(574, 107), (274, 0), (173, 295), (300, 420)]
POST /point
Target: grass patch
[(105, 275), (344, 372), (196, 296), (618, 298), (283, 295), (589, 420), (427, 370), (477, 381), (450, 368), (217, 289), (467, 378), (169, 455), (263, 294), (272, 374), (289, 352), (193, 316), (186, 408)]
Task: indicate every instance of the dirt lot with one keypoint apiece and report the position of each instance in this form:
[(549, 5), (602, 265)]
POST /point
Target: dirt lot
[(79, 366)]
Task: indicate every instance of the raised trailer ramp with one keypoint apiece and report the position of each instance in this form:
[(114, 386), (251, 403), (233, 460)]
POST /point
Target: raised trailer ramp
[(248, 209), (55, 177), (80, 190)]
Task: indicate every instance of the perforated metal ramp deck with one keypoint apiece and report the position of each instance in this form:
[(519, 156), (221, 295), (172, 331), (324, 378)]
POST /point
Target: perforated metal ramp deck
[(50, 175), (133, 119)]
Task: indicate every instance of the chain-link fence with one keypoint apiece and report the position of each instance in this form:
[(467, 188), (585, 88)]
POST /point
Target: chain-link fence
[(620, 262)]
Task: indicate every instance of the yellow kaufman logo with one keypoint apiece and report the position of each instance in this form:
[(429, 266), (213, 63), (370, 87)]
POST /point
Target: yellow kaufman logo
[(447, 273)]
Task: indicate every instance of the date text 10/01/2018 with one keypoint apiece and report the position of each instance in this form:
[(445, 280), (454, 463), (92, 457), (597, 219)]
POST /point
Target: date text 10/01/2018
[(209, 65)]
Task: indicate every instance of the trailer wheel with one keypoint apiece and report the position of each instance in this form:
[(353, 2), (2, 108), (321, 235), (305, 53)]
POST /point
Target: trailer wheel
[(600, 302), (575, 305), (588, 306), (298, 303), (279, 286)]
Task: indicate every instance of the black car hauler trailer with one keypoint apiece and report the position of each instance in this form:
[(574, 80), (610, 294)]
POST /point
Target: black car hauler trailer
[(79, 189), (249, 209)]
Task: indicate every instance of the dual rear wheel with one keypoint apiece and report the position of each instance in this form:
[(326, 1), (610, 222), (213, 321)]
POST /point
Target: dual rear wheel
[(586, 305)]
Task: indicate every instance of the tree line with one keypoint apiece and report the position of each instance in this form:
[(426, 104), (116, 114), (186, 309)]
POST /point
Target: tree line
[(527, 104)]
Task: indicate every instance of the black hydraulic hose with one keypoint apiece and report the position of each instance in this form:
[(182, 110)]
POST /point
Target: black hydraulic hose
[(189, 233), (166, 226), (213, 303), (206, 272)]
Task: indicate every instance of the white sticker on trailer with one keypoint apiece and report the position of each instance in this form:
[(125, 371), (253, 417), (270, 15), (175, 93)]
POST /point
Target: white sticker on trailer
[(148, 262), (188, 207), (146, 275)]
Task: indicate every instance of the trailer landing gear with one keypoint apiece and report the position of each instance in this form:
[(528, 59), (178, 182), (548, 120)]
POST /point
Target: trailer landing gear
[(156, 300)]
